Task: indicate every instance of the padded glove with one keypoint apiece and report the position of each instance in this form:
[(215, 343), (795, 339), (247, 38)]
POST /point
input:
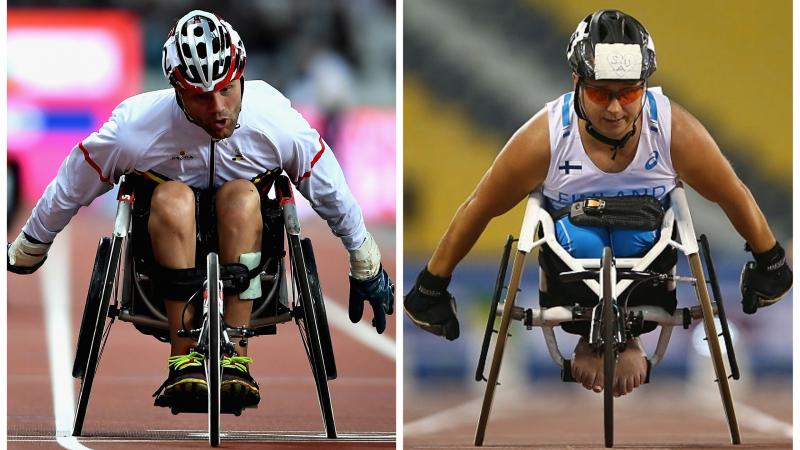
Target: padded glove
[(765, 280), (431, 307), (379, 292), (26, 254)]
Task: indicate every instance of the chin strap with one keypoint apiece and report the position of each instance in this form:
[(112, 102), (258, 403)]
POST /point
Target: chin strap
[(615, 144)]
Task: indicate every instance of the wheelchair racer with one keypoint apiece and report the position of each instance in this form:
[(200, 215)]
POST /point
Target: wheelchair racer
[(611, 136), (207, 144)]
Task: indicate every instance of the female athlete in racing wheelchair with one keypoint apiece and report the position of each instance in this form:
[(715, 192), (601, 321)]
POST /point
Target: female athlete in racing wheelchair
[(125, 285), (609, 300)]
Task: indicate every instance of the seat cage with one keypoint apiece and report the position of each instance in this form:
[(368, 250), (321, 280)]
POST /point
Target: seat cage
[(137, 307), (538, 222)]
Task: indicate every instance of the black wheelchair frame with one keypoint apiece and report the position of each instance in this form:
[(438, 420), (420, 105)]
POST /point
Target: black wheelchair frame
[(611, 322), (118, 291)]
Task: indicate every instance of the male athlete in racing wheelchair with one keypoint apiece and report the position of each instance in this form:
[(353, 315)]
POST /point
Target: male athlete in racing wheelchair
[(612, 136), (204, 157)]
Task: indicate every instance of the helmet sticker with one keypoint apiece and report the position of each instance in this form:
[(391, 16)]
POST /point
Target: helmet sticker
[(618, 62)]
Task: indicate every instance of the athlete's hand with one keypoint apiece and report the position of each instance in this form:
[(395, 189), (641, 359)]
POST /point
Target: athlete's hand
[(431, 307), (26, 254), (378, 290), (765, 280)]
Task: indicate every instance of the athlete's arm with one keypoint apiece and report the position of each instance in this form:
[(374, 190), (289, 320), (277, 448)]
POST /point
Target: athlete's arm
[(520, 167), (699, 162)]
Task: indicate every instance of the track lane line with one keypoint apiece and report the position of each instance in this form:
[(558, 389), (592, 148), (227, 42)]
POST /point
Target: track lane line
[(366, 334), (55, 284)]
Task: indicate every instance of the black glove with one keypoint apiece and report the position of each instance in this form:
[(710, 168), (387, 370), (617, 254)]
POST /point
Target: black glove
[(379, 292), (431, 307), (765, 280)]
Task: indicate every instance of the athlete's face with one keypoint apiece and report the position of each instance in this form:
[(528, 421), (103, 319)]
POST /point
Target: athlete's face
[(611, 106), (216, 112)]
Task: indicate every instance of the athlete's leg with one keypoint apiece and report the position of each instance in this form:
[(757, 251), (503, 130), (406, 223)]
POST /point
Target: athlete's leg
[(239, 226), (172, 232)]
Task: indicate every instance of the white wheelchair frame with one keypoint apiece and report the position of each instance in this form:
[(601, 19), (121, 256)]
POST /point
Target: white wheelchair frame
[(677, 221)]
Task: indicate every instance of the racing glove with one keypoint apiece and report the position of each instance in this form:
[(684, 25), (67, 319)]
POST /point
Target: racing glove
[(368, 281), (765, 280), (379, 292), (431, 307), (26, 254)]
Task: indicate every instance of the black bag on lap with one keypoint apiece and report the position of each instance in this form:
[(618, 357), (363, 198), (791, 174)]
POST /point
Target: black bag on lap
[(633, 212)]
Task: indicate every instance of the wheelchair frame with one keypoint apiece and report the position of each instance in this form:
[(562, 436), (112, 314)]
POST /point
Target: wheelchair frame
[(607, 277), (107, 301)]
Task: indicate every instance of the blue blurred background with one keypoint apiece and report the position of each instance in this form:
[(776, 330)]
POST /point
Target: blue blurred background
[(71, 62), (475, 71)]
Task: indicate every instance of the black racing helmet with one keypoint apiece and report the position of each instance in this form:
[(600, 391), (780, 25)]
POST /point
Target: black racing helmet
[(611, 45)]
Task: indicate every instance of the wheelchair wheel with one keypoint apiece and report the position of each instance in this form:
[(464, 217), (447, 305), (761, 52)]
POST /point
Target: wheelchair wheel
[(310, 331), (93, 325), (609, 348), (319, 309), (712, 338), (499, 346), (212, 361)]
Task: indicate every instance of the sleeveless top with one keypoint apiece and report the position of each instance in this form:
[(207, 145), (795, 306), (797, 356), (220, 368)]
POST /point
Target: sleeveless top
[(572, 175)]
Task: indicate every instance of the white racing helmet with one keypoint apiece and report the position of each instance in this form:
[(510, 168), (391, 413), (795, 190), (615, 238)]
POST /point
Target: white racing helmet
[(203, 53)]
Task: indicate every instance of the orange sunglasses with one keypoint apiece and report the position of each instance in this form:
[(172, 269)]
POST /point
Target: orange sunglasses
[(604, 96)]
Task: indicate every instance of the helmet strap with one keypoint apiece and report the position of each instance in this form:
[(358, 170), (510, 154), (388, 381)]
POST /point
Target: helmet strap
[(615, 144)]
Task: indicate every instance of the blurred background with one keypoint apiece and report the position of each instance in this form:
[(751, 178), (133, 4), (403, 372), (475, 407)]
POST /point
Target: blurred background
[(475, 71), (71, 62)]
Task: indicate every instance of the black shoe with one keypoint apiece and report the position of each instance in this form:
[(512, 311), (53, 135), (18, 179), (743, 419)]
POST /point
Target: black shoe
[(185, 389), (238, 388)]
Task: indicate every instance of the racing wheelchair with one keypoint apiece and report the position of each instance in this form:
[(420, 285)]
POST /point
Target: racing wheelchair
[(123, 287), (609, 315)]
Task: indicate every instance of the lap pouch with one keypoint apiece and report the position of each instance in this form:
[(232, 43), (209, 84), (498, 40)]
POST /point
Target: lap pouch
[(633, 212)]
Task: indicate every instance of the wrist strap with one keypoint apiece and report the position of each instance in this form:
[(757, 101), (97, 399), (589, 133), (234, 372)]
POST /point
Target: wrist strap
[(772, 259), (430, 284)]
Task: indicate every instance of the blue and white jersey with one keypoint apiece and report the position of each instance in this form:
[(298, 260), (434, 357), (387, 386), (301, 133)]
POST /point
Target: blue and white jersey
[(572, 175), (150, 134)]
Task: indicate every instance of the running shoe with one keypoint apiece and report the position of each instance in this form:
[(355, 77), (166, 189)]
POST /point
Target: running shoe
[(238, 388), (186, 387)]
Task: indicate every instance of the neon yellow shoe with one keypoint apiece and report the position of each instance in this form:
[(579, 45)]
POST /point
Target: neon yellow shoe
[(186, 386), (238, 388)]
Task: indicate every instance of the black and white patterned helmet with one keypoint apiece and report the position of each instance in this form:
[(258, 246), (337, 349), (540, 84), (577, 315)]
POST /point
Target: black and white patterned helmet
[(611, 45), (203, 53)]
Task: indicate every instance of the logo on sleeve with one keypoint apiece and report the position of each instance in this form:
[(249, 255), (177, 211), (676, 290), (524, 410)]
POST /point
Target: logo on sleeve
[(571, 167), (652, 161)]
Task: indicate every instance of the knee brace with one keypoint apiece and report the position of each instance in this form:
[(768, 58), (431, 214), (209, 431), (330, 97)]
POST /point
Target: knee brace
[(252, 261)]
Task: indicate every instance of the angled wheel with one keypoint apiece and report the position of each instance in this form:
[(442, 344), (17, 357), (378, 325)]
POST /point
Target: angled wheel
[(213, 366), (309, 327), (93, 331), (319, 309), (712, 338), (499, 346), (609, 347)]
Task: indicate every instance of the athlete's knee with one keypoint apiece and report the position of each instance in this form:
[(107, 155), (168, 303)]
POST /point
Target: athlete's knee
[(238, 202), (172, 207)]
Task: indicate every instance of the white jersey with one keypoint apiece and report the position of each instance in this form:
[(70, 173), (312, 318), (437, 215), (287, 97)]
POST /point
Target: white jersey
[(149, 133), (572, 175)]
